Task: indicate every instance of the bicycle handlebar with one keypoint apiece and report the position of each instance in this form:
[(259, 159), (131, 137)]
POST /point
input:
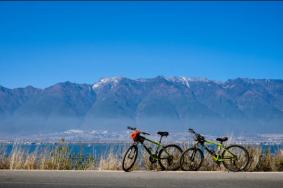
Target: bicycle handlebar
[(198, 136), (145, 133), (192, 131), (133, 129)]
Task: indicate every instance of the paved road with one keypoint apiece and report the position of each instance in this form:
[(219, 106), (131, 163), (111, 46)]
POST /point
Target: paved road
[(142, 179)]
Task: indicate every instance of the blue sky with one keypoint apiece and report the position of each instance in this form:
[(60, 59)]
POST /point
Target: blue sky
[(42, 43)]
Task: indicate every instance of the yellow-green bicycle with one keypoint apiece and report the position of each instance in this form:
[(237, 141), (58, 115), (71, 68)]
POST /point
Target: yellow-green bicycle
[(234, 157)]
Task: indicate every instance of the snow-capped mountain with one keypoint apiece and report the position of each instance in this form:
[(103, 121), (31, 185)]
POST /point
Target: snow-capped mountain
[(153, 103)]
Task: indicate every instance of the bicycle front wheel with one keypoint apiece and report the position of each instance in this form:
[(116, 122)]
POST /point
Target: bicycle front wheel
[(169, 157), (130, 158), (191, 159), (235, 158)]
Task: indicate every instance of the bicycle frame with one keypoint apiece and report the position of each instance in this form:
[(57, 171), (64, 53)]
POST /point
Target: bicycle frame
[(149, 151), (215, 154)]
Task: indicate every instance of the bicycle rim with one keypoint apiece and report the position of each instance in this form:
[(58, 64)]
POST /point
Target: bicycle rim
[(169, 157), (191, 159), (130, 158), (235, 158)]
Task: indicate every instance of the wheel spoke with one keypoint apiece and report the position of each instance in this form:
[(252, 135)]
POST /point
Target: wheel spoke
[(169, 157), (129, 158), (191, 159), (235, 158)]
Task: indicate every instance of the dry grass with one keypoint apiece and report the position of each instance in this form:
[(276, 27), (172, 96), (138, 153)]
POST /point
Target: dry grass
[(111, 162), (265, 160), (60, 158)]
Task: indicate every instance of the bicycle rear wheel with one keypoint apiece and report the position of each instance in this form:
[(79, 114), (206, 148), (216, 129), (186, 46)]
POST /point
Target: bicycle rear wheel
[(191, 159), (130, 158), (169, 157), (235, 158)]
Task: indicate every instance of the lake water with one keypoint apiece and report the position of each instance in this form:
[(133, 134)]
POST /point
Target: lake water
[(97, 150)]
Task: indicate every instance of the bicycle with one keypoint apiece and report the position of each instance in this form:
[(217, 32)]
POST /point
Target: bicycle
[(166, 155), (234, 157)]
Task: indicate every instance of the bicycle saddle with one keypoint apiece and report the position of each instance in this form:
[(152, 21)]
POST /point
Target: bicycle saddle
[(222, 139), (163, 133)]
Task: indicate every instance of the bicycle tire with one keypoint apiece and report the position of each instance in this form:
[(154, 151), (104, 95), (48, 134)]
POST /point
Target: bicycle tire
[(188, 154), (228, 160), (174, 157), (131, 164)]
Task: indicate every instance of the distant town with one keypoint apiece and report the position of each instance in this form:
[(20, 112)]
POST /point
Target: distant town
[(105, 136)]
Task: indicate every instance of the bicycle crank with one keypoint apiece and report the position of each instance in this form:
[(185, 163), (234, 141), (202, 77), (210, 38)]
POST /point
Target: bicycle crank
[(152, 159)]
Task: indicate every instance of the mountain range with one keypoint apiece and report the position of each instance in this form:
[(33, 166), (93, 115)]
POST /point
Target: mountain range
[(238, 106)]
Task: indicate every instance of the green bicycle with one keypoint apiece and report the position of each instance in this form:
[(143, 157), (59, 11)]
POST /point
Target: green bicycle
[(234, 157), (167, 156)]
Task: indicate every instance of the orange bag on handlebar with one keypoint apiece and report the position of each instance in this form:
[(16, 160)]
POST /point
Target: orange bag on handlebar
[(135, 135)]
